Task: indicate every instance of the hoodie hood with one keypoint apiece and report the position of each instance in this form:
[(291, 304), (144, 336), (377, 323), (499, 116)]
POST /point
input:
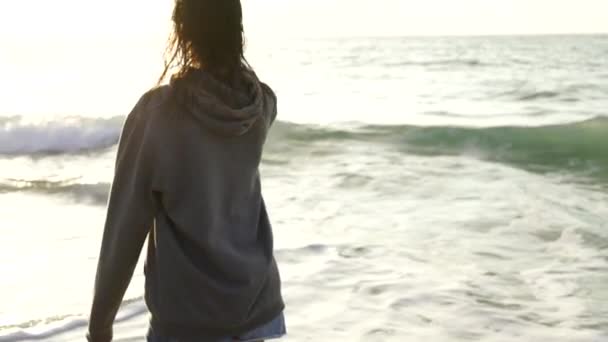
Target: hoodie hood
[(227, 109)]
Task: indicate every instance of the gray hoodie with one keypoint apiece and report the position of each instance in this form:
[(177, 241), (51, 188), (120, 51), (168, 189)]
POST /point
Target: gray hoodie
[(187, 176)]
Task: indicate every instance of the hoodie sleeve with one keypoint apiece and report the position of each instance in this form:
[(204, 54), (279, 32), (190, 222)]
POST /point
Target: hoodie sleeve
[(129, 218)]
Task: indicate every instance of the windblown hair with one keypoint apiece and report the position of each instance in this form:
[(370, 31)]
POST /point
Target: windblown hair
[(208, 35)]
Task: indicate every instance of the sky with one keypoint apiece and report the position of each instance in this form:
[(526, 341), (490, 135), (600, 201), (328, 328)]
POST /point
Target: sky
[(429, 17), (43, 20)]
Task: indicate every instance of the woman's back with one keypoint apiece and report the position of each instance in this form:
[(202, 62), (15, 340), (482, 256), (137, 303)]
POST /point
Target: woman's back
[(212, 264), (187, 176)]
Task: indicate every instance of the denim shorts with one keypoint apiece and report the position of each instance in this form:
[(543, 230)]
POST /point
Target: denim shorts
[(272, 330)]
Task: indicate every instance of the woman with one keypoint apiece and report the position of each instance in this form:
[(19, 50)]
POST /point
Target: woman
[(187, 177)]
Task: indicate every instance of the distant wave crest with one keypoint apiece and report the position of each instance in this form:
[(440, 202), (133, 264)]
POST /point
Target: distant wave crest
[(579, 146), (439, 62), (539, 95), (69, 135)]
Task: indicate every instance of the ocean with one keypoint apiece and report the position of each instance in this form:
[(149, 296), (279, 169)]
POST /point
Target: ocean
[(440, 188)]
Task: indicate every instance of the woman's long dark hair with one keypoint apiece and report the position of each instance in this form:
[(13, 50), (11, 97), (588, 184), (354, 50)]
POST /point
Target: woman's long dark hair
[(207, 34)]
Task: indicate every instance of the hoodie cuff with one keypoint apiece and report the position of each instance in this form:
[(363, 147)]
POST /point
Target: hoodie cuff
[(99, 336)]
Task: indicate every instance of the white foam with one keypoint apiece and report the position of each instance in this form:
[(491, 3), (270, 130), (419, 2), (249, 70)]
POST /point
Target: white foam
[(131, 323), (65, 135), (45, 332)]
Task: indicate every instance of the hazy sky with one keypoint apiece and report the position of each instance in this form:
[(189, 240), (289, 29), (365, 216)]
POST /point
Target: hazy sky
[(147, 19), (429, 17)]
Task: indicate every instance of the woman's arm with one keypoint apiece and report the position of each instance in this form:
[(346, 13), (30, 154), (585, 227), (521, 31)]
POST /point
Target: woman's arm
[(129, 219)]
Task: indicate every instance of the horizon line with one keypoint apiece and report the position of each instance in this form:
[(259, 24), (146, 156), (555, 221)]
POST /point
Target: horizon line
[(446, 35)]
